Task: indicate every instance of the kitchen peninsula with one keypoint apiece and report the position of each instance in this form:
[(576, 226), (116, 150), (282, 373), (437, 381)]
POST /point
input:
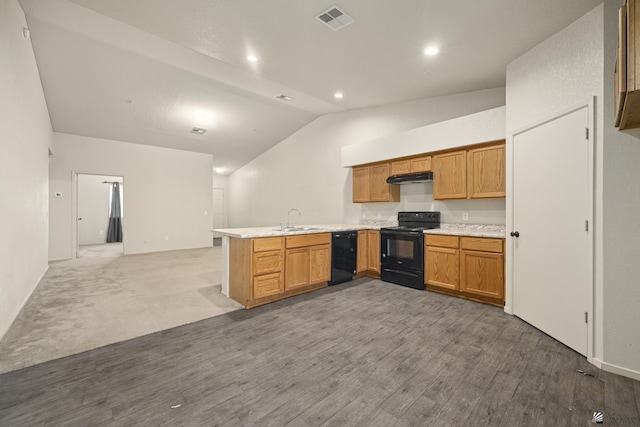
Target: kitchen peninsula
[(264, 264)]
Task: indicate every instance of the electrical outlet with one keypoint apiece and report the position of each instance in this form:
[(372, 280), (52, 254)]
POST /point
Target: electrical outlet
[(58, 194), (465, 216)]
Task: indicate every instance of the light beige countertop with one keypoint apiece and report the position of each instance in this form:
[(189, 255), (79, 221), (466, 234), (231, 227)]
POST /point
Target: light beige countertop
[(470, 230), (251, 232)]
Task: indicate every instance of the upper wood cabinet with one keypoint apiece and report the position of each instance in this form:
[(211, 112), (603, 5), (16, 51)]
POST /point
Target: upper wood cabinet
[(486, 172), (370, 184), (450, 175), (628, 67), (412, 165)]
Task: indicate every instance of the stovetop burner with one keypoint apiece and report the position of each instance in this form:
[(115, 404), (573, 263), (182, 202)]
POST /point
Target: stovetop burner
[(416, 221)]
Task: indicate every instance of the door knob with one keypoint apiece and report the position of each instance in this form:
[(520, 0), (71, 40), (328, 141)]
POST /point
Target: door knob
[(515, 234)]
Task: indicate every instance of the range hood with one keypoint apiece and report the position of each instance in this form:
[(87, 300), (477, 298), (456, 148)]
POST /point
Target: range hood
[(410, 178)]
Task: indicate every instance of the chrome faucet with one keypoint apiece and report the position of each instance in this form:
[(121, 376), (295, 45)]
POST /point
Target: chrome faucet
[(289, 223)]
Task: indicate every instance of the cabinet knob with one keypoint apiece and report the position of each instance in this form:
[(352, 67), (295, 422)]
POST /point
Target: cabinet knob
[(515, 234)]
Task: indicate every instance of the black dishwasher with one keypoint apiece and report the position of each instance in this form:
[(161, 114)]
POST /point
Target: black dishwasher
[(344, 252)]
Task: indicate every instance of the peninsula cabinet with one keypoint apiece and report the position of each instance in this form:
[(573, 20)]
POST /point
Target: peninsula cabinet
[(450, 175), (370, 184), (486, 172), (266, 269), (307, 260)]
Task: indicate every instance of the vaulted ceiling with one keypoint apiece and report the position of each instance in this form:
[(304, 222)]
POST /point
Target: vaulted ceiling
[(148, 71)]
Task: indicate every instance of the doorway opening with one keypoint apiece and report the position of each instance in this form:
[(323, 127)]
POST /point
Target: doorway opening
[(100, 215)]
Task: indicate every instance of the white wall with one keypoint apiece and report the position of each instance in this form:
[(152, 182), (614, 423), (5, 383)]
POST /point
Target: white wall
[(568, 69), (25, 132), (305, 171), (167, 193), (93, 207), (619, 212)]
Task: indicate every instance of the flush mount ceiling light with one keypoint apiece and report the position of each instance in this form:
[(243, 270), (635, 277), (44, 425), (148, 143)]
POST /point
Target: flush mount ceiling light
[(338, 95), (220, 170), (284, 98), (203, 117), (198, 131), (252, 58), (430, 51), (335, 18)]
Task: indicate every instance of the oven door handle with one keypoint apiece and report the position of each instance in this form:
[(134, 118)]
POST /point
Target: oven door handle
[(402, 233)]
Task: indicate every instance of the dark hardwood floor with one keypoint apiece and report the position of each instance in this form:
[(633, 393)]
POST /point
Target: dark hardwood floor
[(367, 353)]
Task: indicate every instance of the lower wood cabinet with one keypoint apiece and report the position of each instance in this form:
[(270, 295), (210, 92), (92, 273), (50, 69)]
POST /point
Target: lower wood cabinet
[(307, 260), (373, 252), (470, 267), (266, 269), (362, 260)]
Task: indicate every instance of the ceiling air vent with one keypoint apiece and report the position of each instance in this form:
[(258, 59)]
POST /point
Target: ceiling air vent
[(199, 131), (334, 18)]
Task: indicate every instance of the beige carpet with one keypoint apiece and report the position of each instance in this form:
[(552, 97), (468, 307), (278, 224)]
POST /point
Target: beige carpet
[(100, 251), (88, 303)]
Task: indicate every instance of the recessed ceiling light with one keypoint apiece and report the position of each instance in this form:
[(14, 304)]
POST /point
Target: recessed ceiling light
[(431, 51), (203, 117), (220, 170), (198, 131), (252, 58), (284, 97), (338, 95)]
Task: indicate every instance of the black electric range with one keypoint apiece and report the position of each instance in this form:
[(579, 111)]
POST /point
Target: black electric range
[(402, 248)]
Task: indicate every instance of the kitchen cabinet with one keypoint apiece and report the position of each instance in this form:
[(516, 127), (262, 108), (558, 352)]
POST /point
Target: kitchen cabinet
[(370, 184), (450, 175), (362, 263), (267, 265), (442, 261), (486, 172), (468, 267), (627, 75), (412, 165), (373, 252), (482, 267), (307, 260)]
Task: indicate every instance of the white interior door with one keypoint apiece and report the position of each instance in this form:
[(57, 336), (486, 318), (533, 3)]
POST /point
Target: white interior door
[(550, 207)]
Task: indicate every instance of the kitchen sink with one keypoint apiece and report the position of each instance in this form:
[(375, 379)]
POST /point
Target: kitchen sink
[(293, 229)]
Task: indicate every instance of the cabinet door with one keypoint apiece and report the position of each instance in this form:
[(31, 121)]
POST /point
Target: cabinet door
[(421, 164), (482, 273), (320, 264), (441, 267), (486, 172), (296, 268), (362, 263), (400, 167), (450, 175), (267, 285), (380, 190), (373, 250), (361, 186)]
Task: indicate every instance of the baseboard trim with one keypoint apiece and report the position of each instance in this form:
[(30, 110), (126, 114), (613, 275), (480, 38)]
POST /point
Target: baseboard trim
[(625, 372), (24, 302)]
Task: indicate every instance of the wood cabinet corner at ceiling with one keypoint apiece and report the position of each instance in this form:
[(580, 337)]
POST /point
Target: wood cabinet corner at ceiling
[(627, 68)]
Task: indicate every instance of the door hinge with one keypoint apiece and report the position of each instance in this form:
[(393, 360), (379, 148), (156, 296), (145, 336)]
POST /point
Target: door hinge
[(586, 317), (586, 133), (586, 225)]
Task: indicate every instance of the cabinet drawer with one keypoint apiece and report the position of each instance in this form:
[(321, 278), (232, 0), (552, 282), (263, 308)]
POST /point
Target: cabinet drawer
[(267, 262), (481, 244), (267, 244), (440, 240), (303, 240), (267, 285)]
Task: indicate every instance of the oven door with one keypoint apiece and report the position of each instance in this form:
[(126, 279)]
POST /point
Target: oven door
[(402, 249)]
